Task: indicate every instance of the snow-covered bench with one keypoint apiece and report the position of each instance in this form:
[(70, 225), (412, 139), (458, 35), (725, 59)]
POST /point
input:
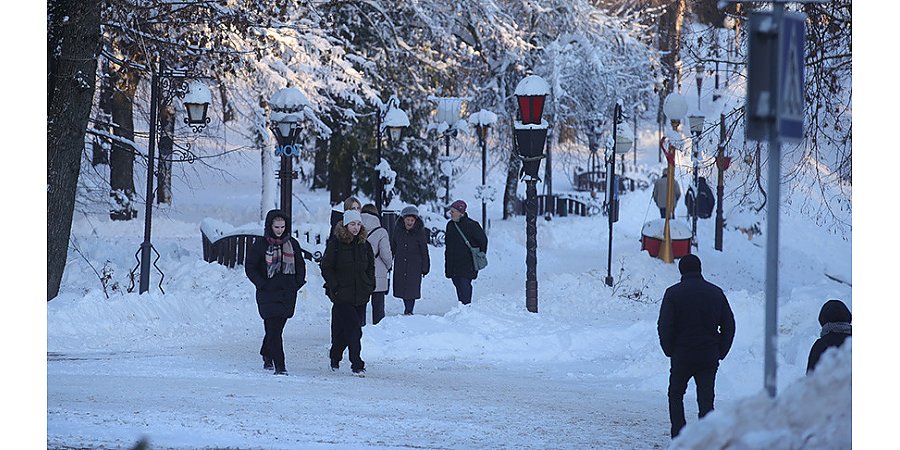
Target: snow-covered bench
[(228, 245)]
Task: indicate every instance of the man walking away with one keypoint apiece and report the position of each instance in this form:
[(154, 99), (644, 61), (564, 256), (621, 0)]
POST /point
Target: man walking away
[(696, 330)]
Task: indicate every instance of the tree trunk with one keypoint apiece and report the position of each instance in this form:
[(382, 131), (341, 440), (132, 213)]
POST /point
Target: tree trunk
[(166, 148), (121, 156), (227, 109), (320, 165), (101, 145), (670, 45), (510, 199), (73, 39), (340, 167)]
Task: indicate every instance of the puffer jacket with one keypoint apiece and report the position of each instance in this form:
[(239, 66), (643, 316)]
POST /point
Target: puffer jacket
[(348, 266), (381, 245), (276, 297)]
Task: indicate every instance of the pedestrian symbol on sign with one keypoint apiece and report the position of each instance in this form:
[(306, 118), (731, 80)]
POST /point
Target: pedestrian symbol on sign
[(790, 105)]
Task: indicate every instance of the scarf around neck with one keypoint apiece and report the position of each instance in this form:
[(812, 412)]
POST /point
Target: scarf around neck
[(279, 256), (835, 327)]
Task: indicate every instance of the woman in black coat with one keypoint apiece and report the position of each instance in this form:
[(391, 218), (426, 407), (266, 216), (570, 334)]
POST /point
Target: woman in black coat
[(409, 243), (459, 264), (348, 267), (275, 266), (835, 319)]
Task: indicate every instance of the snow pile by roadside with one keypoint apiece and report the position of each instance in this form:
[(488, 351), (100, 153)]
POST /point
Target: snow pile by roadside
[(813, 412)]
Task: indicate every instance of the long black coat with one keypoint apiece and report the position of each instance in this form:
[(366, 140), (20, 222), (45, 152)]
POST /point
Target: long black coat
[(695, 324), (833, 311), (348, 267), (458, 259), (276, 297), (411, 260)]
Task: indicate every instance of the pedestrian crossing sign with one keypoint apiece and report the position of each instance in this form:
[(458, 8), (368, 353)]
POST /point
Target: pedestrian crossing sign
[(790, 108)]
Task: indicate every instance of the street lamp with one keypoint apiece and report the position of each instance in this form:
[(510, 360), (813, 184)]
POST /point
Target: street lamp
[(699, 78), (395, 120), (621, 143), (696, 123), (448, 114), (482, 121), (286, 110), (675, 107), (165, 84), (531, 134)]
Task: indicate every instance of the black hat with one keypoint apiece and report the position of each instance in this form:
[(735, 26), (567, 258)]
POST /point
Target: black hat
[(689, 264)]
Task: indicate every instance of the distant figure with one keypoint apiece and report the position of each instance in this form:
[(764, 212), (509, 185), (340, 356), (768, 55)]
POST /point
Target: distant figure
[(696, 330), (459, 264), (411, 261), (835, 319), (381, 245), (348, 267), (705, 200), (660, 188), (277, 269)]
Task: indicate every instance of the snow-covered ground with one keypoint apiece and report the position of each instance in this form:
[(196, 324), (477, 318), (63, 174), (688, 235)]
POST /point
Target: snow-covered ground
[(182, 369)]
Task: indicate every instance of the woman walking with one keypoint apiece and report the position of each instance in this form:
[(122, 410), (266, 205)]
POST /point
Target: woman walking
[(462, 234), (275, 267), (381, 245), (411, 262), (348, 267)]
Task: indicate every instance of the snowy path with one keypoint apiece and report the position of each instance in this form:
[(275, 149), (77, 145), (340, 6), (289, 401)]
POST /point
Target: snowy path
[(218, 395)]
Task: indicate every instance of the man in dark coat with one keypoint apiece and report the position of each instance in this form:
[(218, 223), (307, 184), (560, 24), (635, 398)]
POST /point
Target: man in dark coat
[(275, 266), (696, 330), (348, 267), (835, 319), (409, 242), (705, 200), (459, 264)]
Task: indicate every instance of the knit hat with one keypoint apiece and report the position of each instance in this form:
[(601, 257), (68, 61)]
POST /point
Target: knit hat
[(689, 264), (409, 211), (352, 216), (459, 205)]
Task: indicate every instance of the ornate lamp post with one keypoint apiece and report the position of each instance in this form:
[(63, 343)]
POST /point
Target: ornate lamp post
[(165, 85), (287, 107), (675, 107), (722, 164), (696, 124), (622, 142), (448, 114), (482, 121), (395, 120), (531, 134)]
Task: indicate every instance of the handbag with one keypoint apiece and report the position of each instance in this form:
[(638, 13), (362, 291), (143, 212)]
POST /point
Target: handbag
[(479, 257)]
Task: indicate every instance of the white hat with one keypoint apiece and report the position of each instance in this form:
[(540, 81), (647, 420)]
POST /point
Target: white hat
[(352, 216)]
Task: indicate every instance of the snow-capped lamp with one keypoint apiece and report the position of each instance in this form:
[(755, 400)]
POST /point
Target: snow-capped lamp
[(675, 107), (287, 106), (395, 120), (624, 137), (196, 103), (531, 129)]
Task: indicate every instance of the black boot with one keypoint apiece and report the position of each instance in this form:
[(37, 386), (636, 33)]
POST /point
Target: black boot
[(268, 363)]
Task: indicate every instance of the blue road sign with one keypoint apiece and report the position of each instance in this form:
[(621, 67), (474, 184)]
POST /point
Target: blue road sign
[(791, 78)]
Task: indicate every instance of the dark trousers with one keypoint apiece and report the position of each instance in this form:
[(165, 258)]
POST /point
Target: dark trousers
[(662, 213), (408, 306), (704, 375), (272, 344), (463, 289), (377, 307), (346, 333)]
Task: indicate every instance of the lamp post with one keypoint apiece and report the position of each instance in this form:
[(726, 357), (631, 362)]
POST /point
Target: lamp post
[(674, 107), (482, 121), (395, 120), (696, 122), (622, 142), (448, 113), (722, 164), (165, 84), (287, 106), (531, 134)]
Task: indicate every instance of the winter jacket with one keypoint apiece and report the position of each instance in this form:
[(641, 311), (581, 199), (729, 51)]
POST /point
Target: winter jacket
[(381, 245), (411, 260), (659, 192), (458, 259), (695, 324), (276, 297), (705, 200), (835, 319), (348, 267)]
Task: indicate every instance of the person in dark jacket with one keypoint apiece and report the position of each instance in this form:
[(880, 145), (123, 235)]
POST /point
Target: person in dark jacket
[(705, 200), (696, 330), (381, 245), (348, 267), (411, 261), (459, 264), (275, 266), (835, 319)]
